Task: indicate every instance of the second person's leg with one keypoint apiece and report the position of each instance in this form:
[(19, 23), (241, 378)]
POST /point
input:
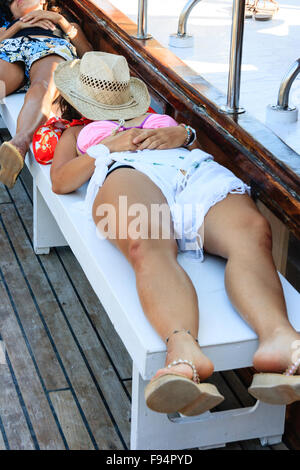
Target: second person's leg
[(34, 112), (38, 101)]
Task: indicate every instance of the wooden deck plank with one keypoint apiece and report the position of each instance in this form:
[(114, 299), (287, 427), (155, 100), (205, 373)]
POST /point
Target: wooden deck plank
[(4, 196), (99, 363), (232, 446), (253, 444), (37, 405), (103, 325), (26, 305), (83, 290), (96, 411), (70, 420), (2, 444), (90, 343), (13, 419), (238, 388), (280, 446)]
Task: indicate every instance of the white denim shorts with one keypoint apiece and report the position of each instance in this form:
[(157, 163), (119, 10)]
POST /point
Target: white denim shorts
[(191, 195)]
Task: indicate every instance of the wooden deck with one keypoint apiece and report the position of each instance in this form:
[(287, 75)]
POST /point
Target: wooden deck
[(65, 381)]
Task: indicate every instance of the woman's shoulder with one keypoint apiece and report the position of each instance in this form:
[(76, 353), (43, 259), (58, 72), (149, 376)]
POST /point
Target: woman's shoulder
[(72, 132)]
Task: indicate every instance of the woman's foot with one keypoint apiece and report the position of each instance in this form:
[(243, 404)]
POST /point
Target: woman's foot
[(175, 388), (183, 346), (278, 358), (278, 351)]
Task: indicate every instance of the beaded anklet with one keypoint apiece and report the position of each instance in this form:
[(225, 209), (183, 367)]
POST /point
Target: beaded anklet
[(292, 369), (179, 331), (196, 378)]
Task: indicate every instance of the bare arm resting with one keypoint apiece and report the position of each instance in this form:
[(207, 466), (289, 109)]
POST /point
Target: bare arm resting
[(69, 171), (73, 30)]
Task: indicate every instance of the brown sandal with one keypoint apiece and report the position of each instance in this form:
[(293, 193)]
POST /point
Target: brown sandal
[(11, 163), (277, 389), (171, 393)]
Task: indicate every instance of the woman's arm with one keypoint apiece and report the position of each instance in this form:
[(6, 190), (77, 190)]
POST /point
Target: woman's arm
[(72, 30), (76, 36), (70, 171), (19, 25)]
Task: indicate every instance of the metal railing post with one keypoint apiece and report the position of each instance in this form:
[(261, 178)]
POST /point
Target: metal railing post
[(283, 112), (181, 38), (286, 83), (142, 21), (184, 15), (236, 48)]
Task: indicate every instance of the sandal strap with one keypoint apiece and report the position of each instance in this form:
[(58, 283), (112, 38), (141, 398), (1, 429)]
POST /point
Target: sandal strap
[(179, 331), (292, 369), (196, 377)]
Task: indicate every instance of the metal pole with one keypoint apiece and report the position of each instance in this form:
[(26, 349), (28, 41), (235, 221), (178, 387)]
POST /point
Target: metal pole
[(184, 15), (285, 86), (142, 21), (236, 48)]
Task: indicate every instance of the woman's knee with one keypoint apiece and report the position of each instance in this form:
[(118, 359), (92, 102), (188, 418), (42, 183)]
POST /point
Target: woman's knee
[(255, 230), (144, 253), (40, 87)]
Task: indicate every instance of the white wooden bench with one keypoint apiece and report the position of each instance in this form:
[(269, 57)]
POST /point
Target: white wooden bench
[(224, 337)]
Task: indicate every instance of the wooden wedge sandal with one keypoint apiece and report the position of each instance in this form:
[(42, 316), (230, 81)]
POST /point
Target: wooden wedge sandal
[(11, 163), (170, 393), (277, 389)]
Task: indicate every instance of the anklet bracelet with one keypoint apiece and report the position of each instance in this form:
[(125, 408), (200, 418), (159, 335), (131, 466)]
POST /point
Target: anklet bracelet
[(178, 331), (196, 378), (292, 369)]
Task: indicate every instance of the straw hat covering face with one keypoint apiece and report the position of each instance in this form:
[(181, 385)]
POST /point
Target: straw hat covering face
[(99, 87)]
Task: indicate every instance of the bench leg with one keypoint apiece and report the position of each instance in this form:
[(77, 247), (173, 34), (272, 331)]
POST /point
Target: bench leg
[(155, 431), (46, 232)]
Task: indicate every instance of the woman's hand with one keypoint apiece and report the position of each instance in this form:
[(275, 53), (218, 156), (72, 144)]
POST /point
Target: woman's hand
[(160, 139), (45, 24), (122, 141), (41, 15), (140, 139)]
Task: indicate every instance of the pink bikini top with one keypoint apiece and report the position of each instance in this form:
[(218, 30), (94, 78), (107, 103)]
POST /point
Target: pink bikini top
[(93, 133)]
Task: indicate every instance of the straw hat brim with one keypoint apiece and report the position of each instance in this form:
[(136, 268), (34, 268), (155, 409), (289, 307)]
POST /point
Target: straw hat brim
[(66, 80)]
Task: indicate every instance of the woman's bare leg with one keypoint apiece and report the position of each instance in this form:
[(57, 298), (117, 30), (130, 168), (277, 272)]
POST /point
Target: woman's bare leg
[(166, 293), (235, 230), (11, 77), (38, 101)]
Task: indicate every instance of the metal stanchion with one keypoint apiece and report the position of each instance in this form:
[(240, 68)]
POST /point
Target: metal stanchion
[(142, 21), (283, 112), (234, 77), (181, 38)]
